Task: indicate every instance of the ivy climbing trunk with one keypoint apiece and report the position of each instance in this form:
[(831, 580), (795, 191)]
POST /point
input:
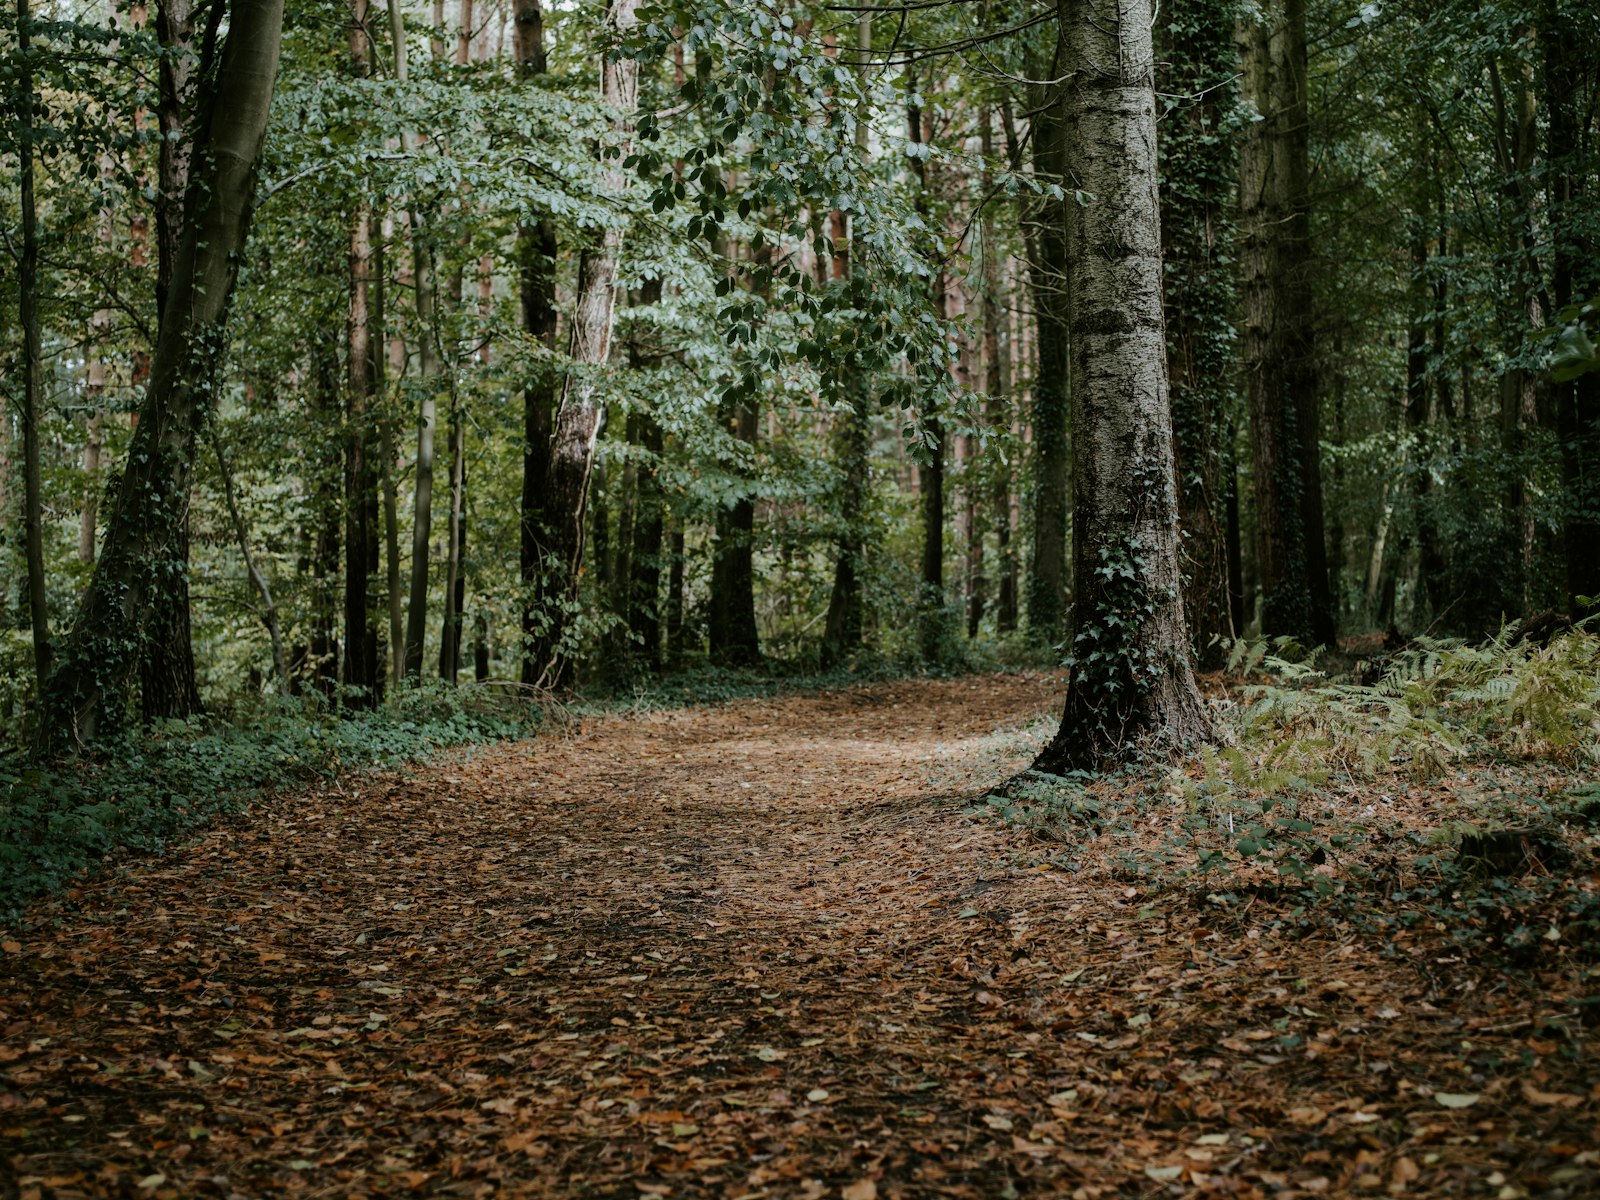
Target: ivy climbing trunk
[(1280, 378), (1199, 170), (88, 692), (1132, 683), (577, 419), (167, 677)]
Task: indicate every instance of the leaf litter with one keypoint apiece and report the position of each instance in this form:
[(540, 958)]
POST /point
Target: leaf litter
[(762, 949)]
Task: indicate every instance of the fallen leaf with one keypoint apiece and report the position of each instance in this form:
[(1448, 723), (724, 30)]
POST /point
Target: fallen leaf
[(1456, 1099), (861, 1189)]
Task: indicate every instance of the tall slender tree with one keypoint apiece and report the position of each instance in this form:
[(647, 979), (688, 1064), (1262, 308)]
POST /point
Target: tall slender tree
[(577, 419)]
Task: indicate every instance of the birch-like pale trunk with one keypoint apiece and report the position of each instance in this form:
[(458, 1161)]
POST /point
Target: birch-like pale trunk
[(87, 693), (576, 425), (1132, 683)]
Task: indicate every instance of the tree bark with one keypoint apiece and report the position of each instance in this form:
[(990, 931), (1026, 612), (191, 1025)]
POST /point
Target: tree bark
[(996, 354), (87, 693), (1280, 375), (1570, 69), (734, 638), (1198, 172), (422, 268), (851, 435), (576, 423), (362, 673), (168, 686), (1132, 684), (536, 249)]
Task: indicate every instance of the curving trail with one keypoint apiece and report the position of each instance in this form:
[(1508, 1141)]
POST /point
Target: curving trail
[(754, 950)]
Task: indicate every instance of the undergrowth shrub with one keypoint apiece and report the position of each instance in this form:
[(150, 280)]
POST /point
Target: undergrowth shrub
[(171, 777), (1436, 788)]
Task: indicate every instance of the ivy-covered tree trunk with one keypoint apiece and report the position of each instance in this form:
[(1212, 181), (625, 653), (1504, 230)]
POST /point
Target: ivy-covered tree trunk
[(1199, 168), (1047, 283), (1131, 683), (88, 692), (577, 418), (642, 602), (1280, 375), (167, 676), (996, 355)]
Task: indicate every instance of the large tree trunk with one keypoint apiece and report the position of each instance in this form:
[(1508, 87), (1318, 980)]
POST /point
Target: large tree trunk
[(930, 471), (1198, 167), (167, 679), (1570, 71), (1047, 283), (1131, 679), (32, 362), (87, 694), (1280, 376), (577, 419), (326, 463)]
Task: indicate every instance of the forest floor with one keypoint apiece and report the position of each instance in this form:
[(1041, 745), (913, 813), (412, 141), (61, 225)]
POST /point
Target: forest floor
[(762, 949)]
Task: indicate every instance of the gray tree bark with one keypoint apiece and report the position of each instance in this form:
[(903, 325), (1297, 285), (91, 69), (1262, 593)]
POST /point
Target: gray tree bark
[(1132, 684)]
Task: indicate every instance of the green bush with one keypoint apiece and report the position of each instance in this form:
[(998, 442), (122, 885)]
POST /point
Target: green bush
[(159, 783)]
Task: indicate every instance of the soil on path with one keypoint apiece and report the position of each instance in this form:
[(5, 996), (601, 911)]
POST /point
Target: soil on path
[(764, 949)]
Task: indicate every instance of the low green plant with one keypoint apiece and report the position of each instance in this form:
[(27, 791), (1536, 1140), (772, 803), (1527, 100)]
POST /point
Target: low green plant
[(145, 790)]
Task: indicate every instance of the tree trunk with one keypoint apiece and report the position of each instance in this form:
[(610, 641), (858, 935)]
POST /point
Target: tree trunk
[(733, 635), (1570, 68), (454, 579), (422, 269), (997, 384), (168, 686), (1131, 679), (386, 454), (32, 361), (930, 470), (361, 669), (1431, 564), (675, 645), (87, 694), (536, 249), (1047, 283), (1274, 217), (851, 435), (1198, 167), (327, 464), (644, 585), (576, 424)]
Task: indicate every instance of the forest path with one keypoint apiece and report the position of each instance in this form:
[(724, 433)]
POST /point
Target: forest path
[(761, 949)]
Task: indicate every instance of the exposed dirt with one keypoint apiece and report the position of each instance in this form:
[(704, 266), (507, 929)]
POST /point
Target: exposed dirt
[(762, 949)]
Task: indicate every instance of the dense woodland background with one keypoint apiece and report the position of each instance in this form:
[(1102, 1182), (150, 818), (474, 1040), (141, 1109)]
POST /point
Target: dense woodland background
[(831, 416)]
